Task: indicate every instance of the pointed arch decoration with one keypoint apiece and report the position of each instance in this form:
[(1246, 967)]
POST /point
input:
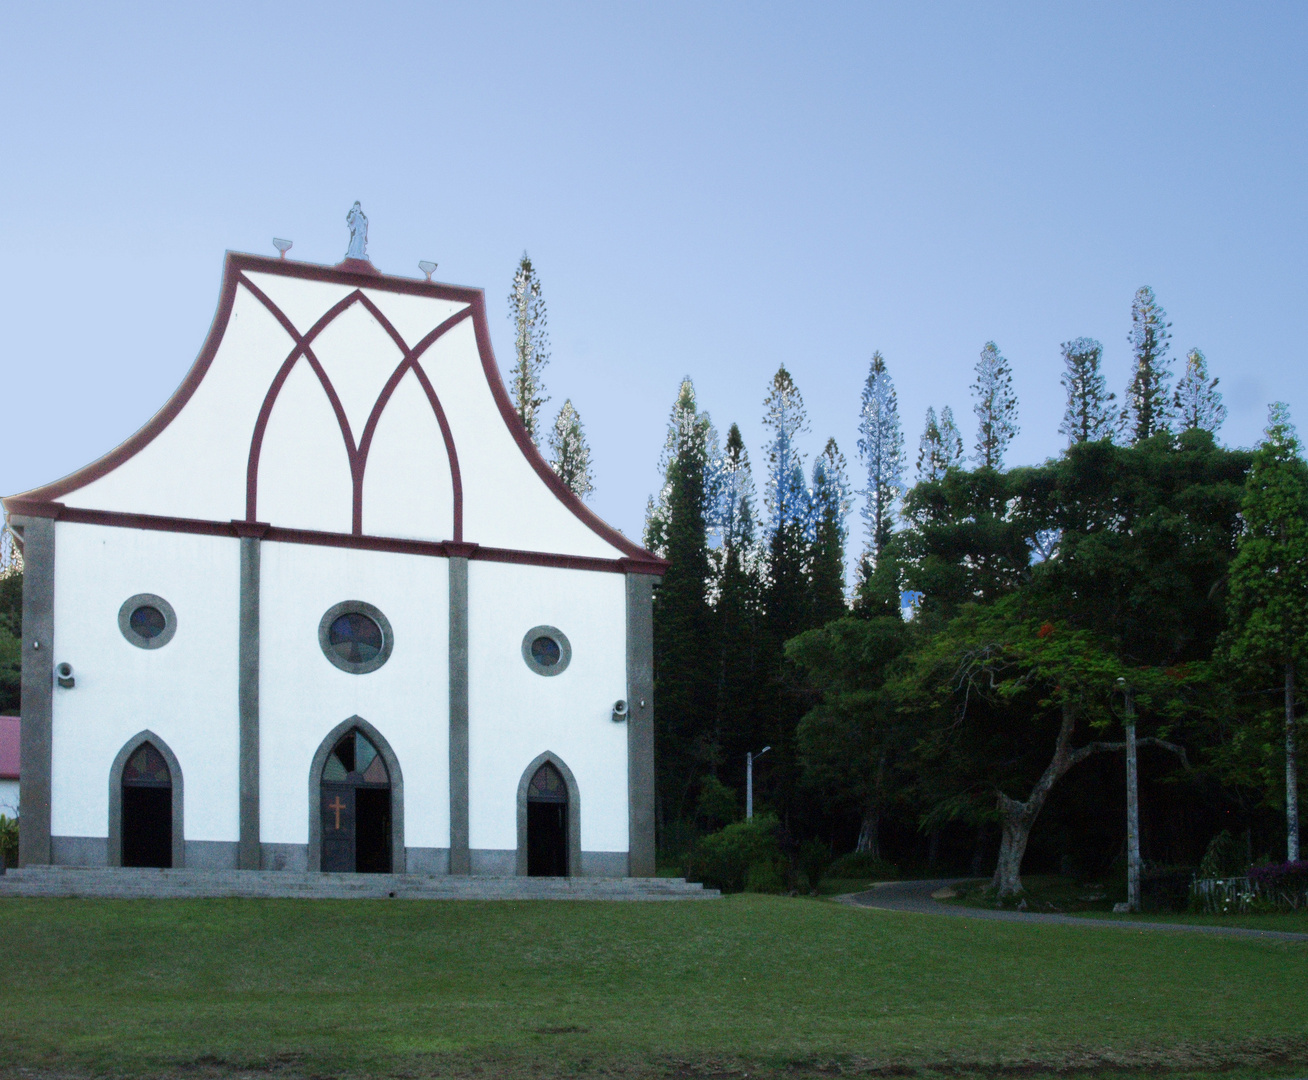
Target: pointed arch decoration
[(357, 452), (116, 797), (574, 813), (387, 755)]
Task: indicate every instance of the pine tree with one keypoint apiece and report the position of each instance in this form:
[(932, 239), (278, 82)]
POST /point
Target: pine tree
[(1197, 402), (1088, 416), (951, 439), (738, 576), (995, 408), (826, 564), (1268, 581), (683, 678), (881, 449), (1147, 410), (569, 454), (530, 345), (931, 454), (786, 499)]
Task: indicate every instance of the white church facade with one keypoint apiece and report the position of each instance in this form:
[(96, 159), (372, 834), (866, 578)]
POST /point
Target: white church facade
[(330, 609)]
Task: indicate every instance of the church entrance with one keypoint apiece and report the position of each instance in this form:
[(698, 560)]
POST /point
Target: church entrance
[(355, 801), (547, 824), (147, 810)]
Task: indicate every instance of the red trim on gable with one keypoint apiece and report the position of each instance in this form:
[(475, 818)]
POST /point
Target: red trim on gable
[(362, 277), (437, 548), (509, 415)]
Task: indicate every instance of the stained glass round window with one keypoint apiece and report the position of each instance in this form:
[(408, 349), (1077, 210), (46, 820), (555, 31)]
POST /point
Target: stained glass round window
[(355, 637), (147, 621), (546, 650)]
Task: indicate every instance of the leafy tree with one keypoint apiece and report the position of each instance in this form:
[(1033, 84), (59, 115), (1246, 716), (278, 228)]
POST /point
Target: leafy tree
[(995, 408), (881, 449), (569, 454), (1197, 402), (994, 688), (1088, 416), (530, 345), (1269, 581), (1147, 409), (830, 501), (951, 440), (847, 743), (683, 678)]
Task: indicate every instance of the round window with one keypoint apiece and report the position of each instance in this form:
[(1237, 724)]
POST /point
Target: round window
[(355, 636), (147, 621), (546, 650)]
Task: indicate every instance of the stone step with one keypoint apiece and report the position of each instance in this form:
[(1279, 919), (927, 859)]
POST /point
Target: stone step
[(131, 883)]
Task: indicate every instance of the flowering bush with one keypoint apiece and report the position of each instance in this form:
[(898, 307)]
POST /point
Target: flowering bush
[(1284, 885)]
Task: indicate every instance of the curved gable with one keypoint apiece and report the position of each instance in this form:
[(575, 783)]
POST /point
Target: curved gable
[(345, 405)]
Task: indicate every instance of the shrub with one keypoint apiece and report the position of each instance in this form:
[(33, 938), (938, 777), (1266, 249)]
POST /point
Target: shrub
[(1283, 885), (1225, 857), (716, 806), (8, 841), (861, 864), (724, 859), (814, 860)]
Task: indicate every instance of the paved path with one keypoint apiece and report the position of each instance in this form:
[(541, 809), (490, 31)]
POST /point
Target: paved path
[(915, 896)]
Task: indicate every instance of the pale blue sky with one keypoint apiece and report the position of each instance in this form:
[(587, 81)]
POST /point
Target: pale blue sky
[(706, 189)]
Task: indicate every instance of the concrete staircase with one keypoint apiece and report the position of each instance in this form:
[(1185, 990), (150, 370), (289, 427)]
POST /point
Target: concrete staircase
[(128, 883)]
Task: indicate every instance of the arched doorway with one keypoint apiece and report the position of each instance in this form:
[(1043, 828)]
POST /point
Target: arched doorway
[(147, 809), (355, 806), (547, 823)]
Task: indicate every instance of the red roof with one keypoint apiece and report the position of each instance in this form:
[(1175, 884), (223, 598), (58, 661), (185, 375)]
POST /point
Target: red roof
[(8, 748)]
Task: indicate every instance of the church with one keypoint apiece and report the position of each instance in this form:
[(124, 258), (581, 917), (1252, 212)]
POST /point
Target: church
[(330, 610)]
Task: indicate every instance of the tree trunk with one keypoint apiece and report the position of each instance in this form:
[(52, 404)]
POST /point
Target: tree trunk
[(1016, 818), (869, 833), (1291, 771)]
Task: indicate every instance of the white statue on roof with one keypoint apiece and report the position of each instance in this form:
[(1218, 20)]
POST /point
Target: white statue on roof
[(358, 223)]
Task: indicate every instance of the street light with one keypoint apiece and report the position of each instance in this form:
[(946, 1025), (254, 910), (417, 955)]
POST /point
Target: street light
[(1127, 715), (749, 781)]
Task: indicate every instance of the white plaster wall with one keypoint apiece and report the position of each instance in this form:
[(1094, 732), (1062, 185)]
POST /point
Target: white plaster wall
[(196, 466), (304, 468), (505, 503), (358, 357), (9, 798), (185, 692), (302, 301), (407, 490), (514, 714), (413, 316), (303, 696)]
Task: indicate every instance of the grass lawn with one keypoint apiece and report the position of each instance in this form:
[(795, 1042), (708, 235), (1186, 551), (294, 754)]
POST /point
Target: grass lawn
[(756, 984), (1068, 897)]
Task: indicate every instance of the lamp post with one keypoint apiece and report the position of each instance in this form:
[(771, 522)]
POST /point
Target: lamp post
[(1132, 800), (749, 781)]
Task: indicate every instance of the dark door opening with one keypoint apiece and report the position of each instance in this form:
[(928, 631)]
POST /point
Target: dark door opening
[(147, 820), (547, 824), (355, 803)]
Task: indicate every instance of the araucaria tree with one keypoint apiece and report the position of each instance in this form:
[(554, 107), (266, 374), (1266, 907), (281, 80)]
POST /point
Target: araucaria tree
[(830, 505), (881, 450), (530, 345), (786, 499), (1197, 402), (995, 408), (569, 454), (1147, 408), (941, 446), (1268, 582), (1088, 416), (676, 530)]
